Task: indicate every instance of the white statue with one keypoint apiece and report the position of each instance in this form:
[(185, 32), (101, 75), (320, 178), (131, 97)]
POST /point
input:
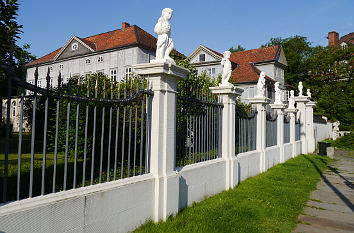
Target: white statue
[(300, 88), (277, 94), (261, 85), (291, 100), (164, 44), (226, 71), (335, 130), (308, 93)]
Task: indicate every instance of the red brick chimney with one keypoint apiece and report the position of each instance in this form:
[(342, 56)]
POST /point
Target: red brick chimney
[(333, 38), (125, 25)]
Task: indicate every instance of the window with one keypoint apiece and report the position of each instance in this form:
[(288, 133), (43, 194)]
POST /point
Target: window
[(100, 59), (212, 70), (87, 75), (39, 83), (251, 92), (114, 75), (61, 66), (51, 68), (100, 72), (88, 61), (201, 57), (14, 108), (128, 72), (74, 46)]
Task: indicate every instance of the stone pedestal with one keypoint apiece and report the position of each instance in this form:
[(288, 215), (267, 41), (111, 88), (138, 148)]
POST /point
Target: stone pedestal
[(279, 108), (163, 78), (310, 134), (292, 112), (228, 95), (260, 104), (301, 106)]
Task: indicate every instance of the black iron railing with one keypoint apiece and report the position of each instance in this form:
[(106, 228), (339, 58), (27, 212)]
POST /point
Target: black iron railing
[(246, 130), (92, 130), (271, 129)]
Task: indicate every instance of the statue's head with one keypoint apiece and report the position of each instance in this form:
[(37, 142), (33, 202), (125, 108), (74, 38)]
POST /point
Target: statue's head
[(276, 84), (167, 13), (300, 83), (227, 54), (262, 75), (292, 93)]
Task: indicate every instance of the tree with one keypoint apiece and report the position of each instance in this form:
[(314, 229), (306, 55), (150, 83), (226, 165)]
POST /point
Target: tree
[(9, 51), (331, 74), (238, 49), (297, 49)]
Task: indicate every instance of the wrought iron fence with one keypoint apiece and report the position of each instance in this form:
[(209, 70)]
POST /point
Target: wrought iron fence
[(286, 129), (93, 130), (297, 128), (271, 129), (245, 130), (199, 116)]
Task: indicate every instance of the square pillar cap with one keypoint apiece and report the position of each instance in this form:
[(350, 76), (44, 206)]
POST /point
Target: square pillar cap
[(259, 100), (311, 104), (291, 110), (226, 90), (160, 69), (277, 106), (302, 98)]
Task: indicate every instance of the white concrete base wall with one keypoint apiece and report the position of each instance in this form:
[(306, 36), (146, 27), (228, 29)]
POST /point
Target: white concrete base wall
[(117, 206), (288, 151), (198, 181), (246, 165), (272, 156), (298, 148), (322, 131)]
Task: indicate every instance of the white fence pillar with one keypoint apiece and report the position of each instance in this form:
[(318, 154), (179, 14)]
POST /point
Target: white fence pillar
[(163, 79), (310, 135), (292, 112), (301, 106), (280, 128), (260, 104), (228, 97)]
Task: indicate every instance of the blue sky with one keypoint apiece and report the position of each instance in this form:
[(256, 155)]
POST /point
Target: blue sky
[(218, 25)]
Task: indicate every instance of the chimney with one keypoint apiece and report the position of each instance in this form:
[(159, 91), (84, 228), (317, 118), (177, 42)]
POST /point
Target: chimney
[(125, 25), (333, 38)]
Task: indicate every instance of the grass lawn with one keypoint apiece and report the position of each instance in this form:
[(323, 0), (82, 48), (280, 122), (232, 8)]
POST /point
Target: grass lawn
[(269, 202)]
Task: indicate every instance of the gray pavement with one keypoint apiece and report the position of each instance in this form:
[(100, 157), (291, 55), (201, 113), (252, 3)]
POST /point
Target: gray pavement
[(331, 205)]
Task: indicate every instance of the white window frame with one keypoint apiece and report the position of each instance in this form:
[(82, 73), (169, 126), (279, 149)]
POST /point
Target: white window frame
[(14, 108), (74, 46), (50, 69), (61, 66), (39, 83), (88, 61), (100, 71), (128, 71), (113, 74), (100, 59)]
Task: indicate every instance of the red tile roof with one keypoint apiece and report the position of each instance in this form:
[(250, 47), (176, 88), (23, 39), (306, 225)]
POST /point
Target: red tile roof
[(349, 38), (246, 71), (108, 40)]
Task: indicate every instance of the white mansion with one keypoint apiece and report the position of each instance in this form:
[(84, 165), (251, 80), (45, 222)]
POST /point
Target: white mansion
[(112, 53), (247, 65)]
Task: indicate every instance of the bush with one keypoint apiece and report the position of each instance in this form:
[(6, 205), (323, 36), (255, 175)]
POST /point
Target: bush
[(345, 142), (3, 128)]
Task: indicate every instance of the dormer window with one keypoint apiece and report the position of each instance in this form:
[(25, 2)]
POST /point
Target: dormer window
[(100, 59), (88, 61), (74, 46), (201, 57)]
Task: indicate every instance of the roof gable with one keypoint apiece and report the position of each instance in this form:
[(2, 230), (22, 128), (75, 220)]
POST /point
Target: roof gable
[(281, 58), (66, 51), (200, 49)]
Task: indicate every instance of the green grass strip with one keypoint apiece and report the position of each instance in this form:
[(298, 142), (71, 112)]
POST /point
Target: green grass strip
[(269, 202)]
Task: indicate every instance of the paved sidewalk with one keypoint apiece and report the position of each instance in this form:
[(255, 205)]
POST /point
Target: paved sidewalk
[(331, 206)]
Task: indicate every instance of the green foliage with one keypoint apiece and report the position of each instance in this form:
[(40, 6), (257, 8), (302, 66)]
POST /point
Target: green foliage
[(346, 142), (331, 83), (297, 49), (3, 128), (10, 32), (237, 49), (269, 202)]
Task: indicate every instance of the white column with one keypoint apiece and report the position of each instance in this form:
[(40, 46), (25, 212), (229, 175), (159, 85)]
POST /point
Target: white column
[(291, 112), (260, 104), (163, 79), (310, 136), (228, 97), (280, 128), (301, 106)]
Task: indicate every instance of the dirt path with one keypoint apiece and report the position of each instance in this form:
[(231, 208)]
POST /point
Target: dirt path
[(331, 206)]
